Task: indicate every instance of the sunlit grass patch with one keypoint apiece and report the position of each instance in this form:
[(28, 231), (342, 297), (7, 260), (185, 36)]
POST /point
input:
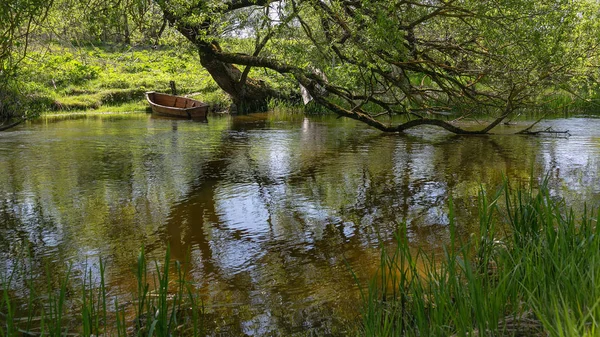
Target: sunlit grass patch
[(94, 77)]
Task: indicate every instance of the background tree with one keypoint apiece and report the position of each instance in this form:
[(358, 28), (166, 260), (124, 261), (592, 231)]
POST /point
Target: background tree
[(18, 19), (104, 22)]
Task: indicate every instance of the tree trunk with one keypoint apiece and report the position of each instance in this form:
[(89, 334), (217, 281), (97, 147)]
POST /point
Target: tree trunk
[(126, 33), (248, 95)]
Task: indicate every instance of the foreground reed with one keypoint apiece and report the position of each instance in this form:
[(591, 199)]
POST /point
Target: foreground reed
[(161, 306), (532, 270)]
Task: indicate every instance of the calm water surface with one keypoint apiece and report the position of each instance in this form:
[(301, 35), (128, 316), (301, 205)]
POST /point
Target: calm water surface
[(267, 209)]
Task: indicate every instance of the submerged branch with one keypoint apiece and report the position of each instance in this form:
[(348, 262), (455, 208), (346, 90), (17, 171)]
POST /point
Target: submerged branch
[(12, 125)]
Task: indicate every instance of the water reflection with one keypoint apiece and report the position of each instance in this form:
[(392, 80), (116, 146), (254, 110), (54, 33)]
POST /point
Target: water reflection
[(268, 210)]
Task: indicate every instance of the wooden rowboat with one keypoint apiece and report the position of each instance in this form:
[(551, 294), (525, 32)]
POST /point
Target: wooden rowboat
[(176, 106)]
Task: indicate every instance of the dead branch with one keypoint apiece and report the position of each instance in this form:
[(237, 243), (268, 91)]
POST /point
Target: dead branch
[(548, 131)]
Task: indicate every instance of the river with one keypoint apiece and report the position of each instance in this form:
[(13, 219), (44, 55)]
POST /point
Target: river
[(271, 211)]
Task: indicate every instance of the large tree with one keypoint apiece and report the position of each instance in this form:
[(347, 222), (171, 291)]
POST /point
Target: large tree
[(371, 59)]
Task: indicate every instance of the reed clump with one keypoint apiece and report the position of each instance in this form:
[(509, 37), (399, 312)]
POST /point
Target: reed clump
[(532, 270), (161, 306)]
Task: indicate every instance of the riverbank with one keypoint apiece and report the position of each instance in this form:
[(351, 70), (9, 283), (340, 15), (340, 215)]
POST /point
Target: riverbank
[(111, 77), (58, 78)]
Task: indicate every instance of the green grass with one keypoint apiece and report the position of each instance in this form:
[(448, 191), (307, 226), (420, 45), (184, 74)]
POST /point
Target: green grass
[(63, 78), (59, 77), (532, 270)]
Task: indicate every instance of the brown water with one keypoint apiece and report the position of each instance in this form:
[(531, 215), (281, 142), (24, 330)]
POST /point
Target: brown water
[(268, 209)]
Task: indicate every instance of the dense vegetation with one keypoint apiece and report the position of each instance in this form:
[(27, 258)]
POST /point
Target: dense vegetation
[(366, 60), (18, 20)]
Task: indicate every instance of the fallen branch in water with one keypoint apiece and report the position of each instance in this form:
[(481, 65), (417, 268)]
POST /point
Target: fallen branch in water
[(8, 126), (545, 131), (527, 131)]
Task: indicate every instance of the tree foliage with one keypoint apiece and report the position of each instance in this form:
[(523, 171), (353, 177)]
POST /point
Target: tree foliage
[(17, 21), (105, 21), (371, 60)]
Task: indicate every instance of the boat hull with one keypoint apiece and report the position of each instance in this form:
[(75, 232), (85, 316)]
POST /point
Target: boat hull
[(176, 106)]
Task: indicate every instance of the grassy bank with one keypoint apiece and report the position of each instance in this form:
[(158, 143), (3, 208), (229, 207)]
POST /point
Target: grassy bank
[(60, 77), (65, 78), (532, 270), (112, 77)]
